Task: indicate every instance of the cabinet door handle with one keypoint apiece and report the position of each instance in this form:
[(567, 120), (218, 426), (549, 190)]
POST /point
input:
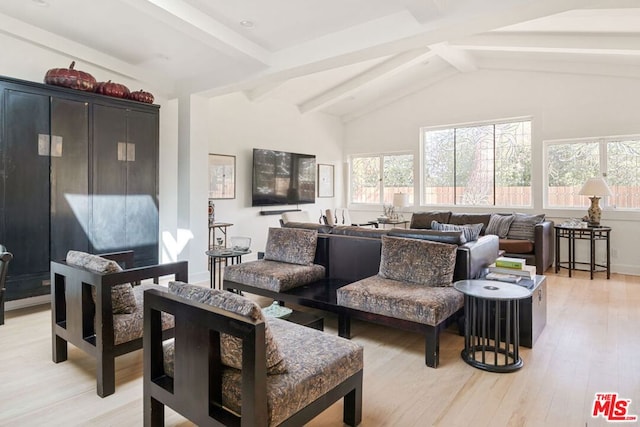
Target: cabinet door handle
[(131, 152), (122, 151)]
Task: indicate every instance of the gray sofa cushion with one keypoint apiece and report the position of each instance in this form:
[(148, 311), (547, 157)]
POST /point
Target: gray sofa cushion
[(229, 301), (123, 300), (273, 275), (523, 226), (292, 245), (417, 261)]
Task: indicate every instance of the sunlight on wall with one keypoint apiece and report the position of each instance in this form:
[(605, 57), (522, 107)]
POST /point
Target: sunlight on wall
[(172, 247)]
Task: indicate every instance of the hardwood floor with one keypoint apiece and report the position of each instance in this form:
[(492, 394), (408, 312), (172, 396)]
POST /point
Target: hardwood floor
[(591, 344)]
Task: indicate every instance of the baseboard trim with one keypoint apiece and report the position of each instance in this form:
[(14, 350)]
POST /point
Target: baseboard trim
[(27, 302)]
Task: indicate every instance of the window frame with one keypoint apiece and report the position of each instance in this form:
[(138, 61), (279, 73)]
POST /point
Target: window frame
[(380, 156), (455, 126), (603, 163)]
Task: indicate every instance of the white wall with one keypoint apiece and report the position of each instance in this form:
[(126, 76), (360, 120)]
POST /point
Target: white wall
[(234, 126), (561, 106)]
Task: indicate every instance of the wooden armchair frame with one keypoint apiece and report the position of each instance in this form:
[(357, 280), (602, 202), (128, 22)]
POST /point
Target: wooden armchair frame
[(73, 311), (196, 390)]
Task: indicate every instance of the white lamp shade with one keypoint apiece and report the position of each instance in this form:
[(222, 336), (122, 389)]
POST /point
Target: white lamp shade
[(400, 200), (595, 187)]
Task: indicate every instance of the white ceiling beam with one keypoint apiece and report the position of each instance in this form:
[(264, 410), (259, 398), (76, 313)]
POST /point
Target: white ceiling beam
[(397, 95), (79, 52), (458, 58), (347, 88), (601, 44), (262, 91), (192, 22)]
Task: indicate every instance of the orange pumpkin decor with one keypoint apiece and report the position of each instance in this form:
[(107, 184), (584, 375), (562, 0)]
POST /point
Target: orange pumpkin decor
[(109, 88), (68, 77), (141, 96)]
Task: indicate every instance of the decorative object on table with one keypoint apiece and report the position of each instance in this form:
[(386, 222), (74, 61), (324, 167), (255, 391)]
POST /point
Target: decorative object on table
[(389, 213), (400, 200), (239, 243), (325, 180), (595, 188), (212, 213), (222, 176), (527, 271), (68, 77), (142, 96), (110, 88), (276, 310)]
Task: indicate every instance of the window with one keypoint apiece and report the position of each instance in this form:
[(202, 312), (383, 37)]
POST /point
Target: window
[(375, 178), (571, 163), (487, 164)]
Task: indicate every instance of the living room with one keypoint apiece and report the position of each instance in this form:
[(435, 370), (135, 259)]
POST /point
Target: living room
[(567, 95)]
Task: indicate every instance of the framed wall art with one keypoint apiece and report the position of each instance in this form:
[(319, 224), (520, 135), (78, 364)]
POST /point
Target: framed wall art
[(325, 180), (222, 176)]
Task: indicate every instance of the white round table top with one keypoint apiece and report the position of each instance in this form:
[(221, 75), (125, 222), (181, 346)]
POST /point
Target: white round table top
[(491, 289)]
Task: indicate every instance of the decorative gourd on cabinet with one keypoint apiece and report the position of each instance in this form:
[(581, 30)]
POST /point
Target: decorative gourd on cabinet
[(68, 77)]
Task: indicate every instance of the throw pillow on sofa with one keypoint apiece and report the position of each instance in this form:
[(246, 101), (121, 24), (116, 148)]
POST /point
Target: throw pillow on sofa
[(470, 232), (523, 226), (500, 225)]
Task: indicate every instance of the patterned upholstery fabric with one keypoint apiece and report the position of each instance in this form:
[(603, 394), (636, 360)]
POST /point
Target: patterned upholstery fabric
[(499, 225), (424, 219), (401, 300), (273, 275), (127, 327), (231, 346), (523, 226), (122, 298), (316, 363), (471, 232), (292, 245), (417, 261)]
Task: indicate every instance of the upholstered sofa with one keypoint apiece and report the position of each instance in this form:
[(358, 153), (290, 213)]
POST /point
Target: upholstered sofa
[(350, 254), (520, 235)]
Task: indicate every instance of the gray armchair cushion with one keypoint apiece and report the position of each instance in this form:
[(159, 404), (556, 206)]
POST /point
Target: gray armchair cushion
[(292, 245), (401, 300), (130, 326), (231, 346), (417, 261), (273, 275), (123, 299)]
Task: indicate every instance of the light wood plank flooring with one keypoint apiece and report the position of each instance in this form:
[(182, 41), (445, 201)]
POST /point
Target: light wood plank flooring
[(591, 344)]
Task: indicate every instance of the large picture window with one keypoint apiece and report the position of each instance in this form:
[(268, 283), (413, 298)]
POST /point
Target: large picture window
[(376, 178), (488, 164), (571, 163)]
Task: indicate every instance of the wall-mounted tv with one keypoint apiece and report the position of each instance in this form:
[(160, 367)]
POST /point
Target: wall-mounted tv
[(283, 178)]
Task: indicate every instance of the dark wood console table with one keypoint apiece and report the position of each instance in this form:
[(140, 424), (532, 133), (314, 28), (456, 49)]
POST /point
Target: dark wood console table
[(593, 234)]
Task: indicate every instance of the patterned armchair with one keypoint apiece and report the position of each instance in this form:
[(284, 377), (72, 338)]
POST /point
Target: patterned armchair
[(287, 262), (229, 365), (95, 307)]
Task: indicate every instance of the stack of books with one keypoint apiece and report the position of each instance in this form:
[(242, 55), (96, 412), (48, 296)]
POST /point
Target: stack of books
[(510, 270)]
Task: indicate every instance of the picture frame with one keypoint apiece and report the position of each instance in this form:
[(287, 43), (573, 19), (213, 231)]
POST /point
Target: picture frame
[(325, 180), (222, 176)]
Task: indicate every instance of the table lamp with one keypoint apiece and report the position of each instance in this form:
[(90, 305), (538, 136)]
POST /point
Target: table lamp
[(400, 200), (595, 188)]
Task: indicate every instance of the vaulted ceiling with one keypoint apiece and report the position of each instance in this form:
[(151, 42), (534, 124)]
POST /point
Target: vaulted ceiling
[(342, 57)]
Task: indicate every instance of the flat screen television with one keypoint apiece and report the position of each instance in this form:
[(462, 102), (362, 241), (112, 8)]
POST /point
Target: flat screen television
[(283, 178)]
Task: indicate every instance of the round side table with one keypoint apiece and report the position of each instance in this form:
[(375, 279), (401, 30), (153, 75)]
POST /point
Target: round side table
[(226, 257), (492, 324)]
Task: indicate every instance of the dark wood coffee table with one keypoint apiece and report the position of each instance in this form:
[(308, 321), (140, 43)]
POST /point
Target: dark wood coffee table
[(306, 319)]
